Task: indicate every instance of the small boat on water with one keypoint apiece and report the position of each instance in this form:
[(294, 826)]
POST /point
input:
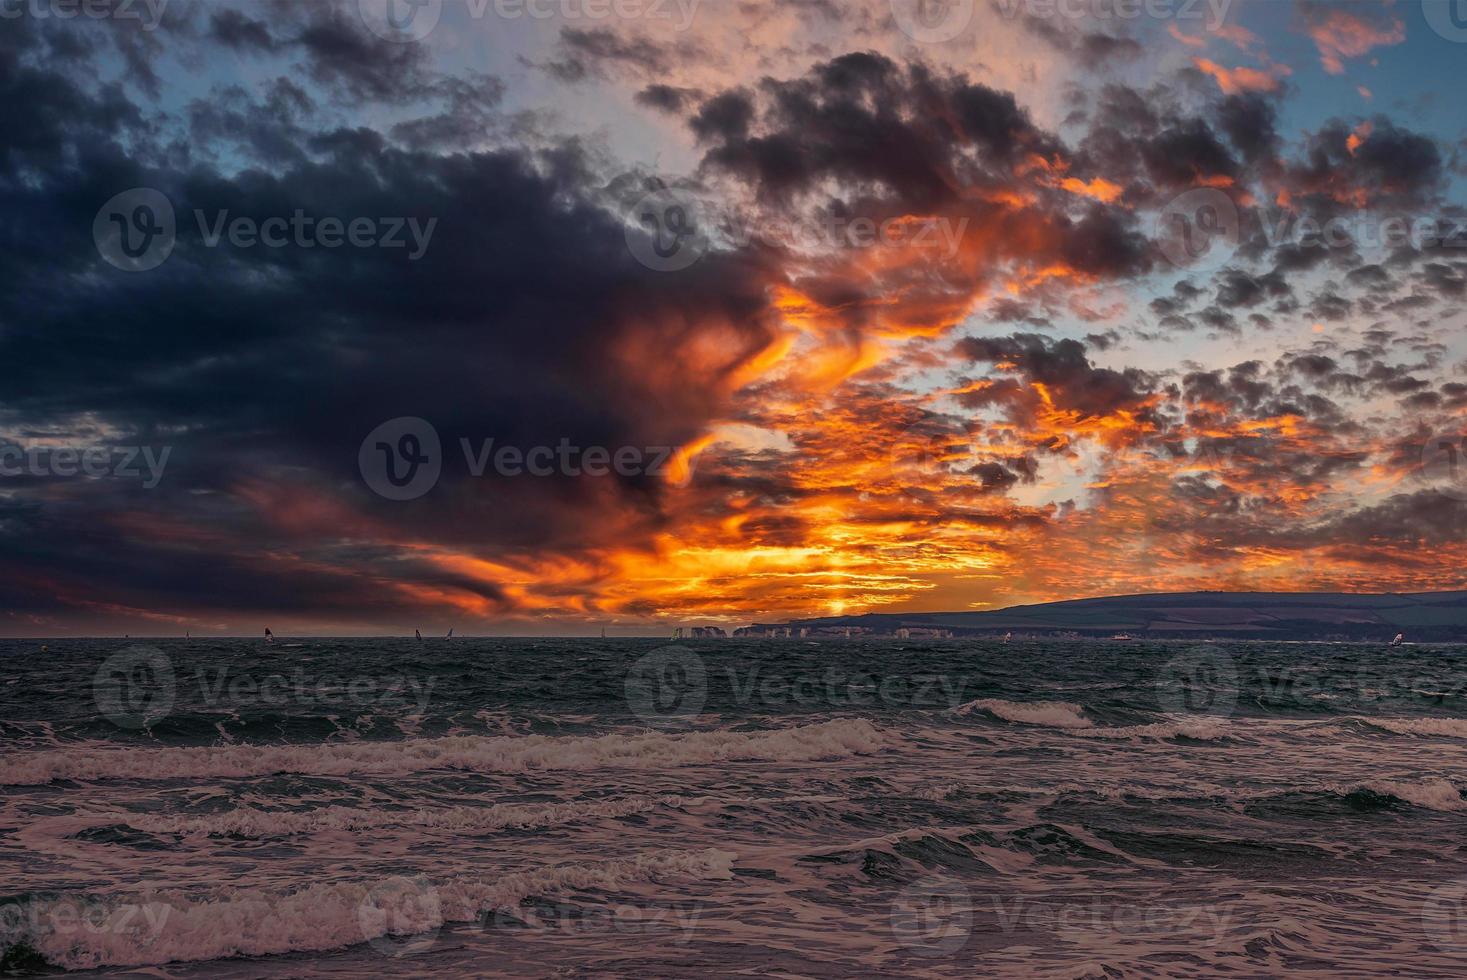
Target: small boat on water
[(450, 634), (1399, 641), (419, 635), (269, 636)]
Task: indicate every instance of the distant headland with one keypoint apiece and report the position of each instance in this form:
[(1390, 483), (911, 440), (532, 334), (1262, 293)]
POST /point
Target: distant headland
[(1433, 617)]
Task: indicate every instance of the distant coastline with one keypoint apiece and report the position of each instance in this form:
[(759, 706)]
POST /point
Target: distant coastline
[(1423, 617), (1434, 617)]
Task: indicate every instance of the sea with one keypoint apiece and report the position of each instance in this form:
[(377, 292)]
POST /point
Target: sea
[(732, 807)]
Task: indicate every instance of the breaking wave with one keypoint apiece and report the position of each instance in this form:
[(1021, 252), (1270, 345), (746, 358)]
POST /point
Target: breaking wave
[(1451, 727), (1197, 729), (831, 739), (1431, 792), (1048, 714), (163, 927), (254, 823)]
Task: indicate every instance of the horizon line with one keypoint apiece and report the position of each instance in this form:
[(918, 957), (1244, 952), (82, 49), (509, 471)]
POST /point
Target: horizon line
[(686, 624)]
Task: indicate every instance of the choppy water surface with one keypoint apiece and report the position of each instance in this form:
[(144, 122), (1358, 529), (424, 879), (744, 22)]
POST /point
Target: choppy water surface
[(778, 808)]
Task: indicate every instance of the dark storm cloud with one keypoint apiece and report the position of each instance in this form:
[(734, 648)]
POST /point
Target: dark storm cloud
[(1182, 154), (1238, 288), (861, 135), (598, 52), (529, 321), (671, 99), (1422, 516), (1250, 124), (264, 368), (847, 119), (1389, 166), (342, 54), (1064, 369), (1091, 49), (236, 29)]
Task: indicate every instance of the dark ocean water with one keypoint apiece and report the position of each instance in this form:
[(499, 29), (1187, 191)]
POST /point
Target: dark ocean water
[(771, 808)]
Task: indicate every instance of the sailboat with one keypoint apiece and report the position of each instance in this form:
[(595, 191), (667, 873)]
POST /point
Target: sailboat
[(1399, 641), (1007, 637), (450, 634), (419, 635), (603, 632), (269, 636)]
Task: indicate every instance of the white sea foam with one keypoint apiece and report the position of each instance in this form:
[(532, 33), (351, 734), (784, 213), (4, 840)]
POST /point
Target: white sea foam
[(1431, 792), (1450, 727), (1049, 714), (256, 922), (1200, 729), (251, 822), (1071, 717), (91, 761)]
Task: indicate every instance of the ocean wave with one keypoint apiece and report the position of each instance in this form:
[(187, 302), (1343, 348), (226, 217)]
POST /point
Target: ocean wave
[(1197, 729), (1451, 727), (165, 927), (1048, 714), (915, 852), (254, 823), (832, 739), (1071, 718), (1431, 792)]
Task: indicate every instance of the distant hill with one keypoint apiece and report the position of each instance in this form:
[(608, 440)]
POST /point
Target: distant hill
[(1425, 616)]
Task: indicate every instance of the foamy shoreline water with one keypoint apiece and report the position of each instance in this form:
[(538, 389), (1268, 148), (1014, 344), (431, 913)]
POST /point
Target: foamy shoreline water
[(1073, 813)]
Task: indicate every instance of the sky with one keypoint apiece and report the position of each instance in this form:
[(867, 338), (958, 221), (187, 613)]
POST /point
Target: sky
[(548, 316)]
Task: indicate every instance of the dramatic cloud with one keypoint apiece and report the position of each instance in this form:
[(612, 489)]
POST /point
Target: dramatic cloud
[(1340, 32), (881, 325)]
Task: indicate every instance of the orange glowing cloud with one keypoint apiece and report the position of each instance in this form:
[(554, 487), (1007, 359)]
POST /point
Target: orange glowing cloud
[(1234, 33), (1190, 40), (1098, 188), (1339, 34), (1233, 81), (1237, 34), (1360, 134)]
